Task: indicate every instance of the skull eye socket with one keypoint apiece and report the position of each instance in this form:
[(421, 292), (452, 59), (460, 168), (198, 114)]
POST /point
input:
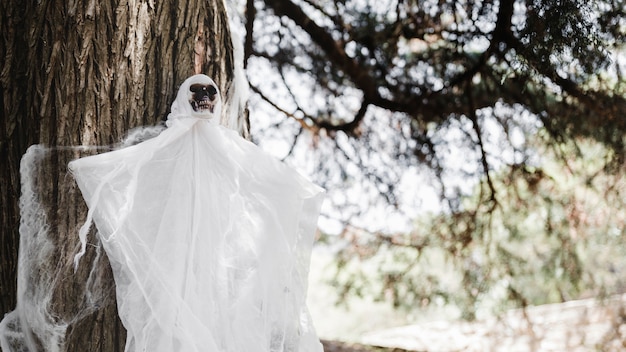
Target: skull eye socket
[(196, 88)]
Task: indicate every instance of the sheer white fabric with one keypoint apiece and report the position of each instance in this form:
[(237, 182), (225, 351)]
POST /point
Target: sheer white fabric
[(209, 240)]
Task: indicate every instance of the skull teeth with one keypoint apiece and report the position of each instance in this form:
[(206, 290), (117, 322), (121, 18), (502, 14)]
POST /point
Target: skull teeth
[(202, 106)]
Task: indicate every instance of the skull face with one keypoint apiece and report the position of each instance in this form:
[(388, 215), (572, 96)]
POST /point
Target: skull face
[(203, 98), (199, 97)]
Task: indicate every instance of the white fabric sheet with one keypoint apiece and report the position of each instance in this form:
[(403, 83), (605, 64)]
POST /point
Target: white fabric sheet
[(209, 239)]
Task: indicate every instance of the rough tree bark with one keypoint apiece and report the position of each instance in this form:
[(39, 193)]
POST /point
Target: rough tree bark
[(84, 72)]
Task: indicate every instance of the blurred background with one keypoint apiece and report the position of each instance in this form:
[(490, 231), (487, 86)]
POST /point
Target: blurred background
[(473, 158)]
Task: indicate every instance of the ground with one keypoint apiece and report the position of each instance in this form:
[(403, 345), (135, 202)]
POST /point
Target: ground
[(337, 346), (582, 326)]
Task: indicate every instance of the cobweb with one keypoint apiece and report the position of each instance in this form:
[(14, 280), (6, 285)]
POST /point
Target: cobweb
[(43, 313), (39, 323)]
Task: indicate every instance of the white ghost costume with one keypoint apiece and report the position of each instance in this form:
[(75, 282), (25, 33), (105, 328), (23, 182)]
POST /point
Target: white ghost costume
[(209, 237)]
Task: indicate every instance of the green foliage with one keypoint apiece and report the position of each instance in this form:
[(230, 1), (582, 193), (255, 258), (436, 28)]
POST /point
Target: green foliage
[(555, 234), (564, 31)]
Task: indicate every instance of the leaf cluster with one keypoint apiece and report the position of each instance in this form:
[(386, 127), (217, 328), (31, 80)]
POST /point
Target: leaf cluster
[(554, 236)]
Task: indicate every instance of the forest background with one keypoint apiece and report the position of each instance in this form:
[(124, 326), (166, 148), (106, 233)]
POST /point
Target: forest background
[(473, 151), (495, 128)]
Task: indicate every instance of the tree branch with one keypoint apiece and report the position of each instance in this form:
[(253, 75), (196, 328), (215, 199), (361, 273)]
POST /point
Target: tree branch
[(501, 34), (333, 49), (359, 75), (302, 123), (348, 127), (483, 154), (248, 44)]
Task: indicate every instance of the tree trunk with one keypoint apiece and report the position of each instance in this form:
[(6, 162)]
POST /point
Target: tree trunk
[(84, 72)]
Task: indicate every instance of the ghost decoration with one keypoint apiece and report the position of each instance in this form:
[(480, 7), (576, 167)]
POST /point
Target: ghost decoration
[(209, 238)]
